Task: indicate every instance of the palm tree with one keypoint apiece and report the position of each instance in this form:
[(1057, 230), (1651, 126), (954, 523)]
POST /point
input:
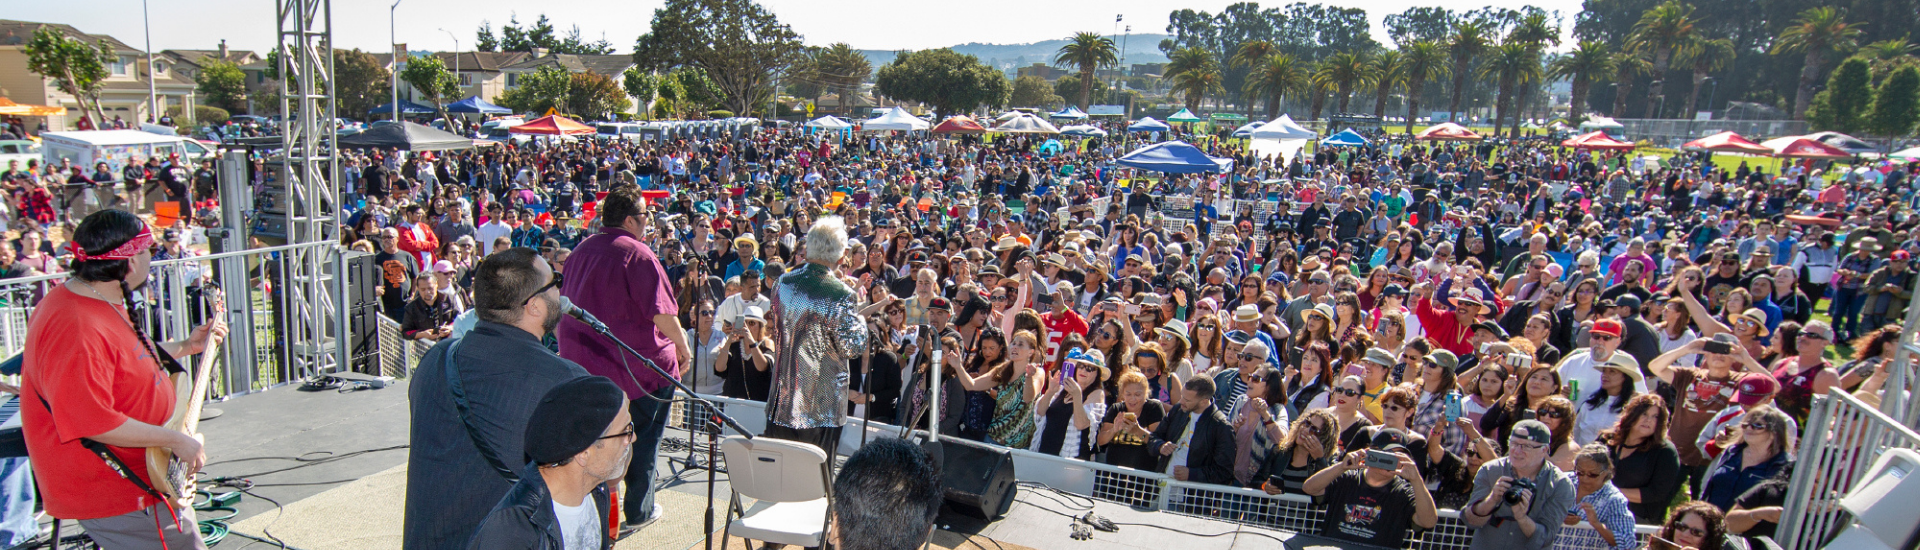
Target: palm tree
[(1281, 75), (1537, 32), (1705, 56), (1420, 61), (1627, 65), (1194, 74), (1344, 71), (1469, 40), (1252, 53), (843, 69), (1511, 64), (1661, 31), (1583, 66), (1089, 52), (1886, 56), (1389, 71), (1816, 33)]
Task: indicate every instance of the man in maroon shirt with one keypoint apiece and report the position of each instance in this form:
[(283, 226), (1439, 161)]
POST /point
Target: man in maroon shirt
[(618, 279)]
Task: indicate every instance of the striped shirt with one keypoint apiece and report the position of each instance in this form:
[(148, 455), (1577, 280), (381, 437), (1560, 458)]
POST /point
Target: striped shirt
[(1613, 510)]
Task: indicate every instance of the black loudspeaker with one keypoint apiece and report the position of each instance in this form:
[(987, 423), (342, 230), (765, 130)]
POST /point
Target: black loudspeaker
[(363, 278), (978, 482)]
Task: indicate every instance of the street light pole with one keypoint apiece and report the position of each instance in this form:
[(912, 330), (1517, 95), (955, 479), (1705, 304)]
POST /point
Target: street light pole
[(153, 103), (1711, 92), (456, 60), (394, 74)]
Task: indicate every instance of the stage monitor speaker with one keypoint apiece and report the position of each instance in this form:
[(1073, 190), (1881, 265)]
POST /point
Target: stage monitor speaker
[(363, 278), (979, 482)]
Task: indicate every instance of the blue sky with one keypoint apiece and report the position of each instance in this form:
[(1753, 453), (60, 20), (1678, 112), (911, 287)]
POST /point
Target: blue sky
[(865, 24)]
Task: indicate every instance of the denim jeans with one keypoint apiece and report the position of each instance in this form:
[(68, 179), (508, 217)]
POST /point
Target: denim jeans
[(1846, 309), (649, 422)]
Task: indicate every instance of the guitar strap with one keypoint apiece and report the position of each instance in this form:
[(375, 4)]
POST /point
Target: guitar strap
[(465, 410)]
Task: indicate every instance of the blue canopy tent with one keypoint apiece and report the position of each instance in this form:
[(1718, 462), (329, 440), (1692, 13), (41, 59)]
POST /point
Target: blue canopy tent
[(1148, 124), (476, 105), (406, 108), (1069, 113), (1346, 138), (1175, 157)]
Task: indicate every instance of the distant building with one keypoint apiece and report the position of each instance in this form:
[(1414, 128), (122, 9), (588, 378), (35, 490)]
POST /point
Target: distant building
[(124, 94), (1147, 69), (1043, 71)]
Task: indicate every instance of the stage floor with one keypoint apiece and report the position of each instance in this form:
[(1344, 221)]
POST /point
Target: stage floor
[(350, 501)]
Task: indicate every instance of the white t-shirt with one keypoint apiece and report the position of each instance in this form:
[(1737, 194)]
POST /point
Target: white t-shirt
[(1179, 457), (579, 525), (1580, 365)]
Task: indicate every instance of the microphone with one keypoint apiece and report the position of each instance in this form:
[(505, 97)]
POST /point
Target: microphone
[(567, 307)]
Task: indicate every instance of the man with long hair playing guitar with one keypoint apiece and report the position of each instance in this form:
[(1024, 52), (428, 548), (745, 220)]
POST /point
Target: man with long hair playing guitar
[(95, 391)]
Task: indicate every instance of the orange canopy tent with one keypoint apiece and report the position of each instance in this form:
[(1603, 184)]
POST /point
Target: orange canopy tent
[(552, 125), (9, 108), (1448, 131), (1803, 147), (959, 125), (1729, 142), (1597, 140)]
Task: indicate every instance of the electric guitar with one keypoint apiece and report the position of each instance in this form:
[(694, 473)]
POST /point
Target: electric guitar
[(169, 473)]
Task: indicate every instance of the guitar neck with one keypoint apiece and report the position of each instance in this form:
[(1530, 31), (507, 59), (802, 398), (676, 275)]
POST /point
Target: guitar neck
[(202, 377)]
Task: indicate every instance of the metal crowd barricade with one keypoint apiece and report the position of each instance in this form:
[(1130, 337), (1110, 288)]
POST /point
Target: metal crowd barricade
[(1843, 437), (1137, 488)]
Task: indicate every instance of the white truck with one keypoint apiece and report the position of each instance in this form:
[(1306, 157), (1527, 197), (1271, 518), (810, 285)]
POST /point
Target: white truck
[(18, 151), (117, 148)]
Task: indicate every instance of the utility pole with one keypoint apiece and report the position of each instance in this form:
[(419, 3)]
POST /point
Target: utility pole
[(153, 104), (456, 60), (394, 73), (1116, 78)]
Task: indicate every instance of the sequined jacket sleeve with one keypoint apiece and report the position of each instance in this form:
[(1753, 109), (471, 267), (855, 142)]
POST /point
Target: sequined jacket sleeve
[(817, 330)]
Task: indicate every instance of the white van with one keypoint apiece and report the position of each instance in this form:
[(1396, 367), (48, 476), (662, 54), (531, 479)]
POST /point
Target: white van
[(608, 131), (117, 148)]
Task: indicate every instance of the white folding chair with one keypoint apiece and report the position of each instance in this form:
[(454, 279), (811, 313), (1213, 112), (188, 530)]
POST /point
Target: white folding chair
[(791, 484)]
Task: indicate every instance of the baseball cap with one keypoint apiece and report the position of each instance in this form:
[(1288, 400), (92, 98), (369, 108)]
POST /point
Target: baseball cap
[(1627, 300), (1533, 430), (940, 304), (1756, 387), (1492, 328), (443, 266), (1389, 439), (1379, 357), (1608, 327)]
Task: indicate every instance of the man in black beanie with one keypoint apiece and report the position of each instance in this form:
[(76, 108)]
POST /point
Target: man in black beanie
[(579, 438)]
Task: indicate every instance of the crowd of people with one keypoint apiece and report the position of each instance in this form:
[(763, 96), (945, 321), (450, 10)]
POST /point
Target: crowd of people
[(1534, 336)]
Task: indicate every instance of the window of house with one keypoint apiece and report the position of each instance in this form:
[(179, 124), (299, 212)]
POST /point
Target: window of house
[(118, 66), (513, 79)]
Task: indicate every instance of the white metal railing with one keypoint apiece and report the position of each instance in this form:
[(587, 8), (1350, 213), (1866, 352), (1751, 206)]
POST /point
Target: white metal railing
[(1142, 489), (1843, 437)]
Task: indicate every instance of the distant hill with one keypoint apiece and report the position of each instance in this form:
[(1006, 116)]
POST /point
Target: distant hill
[(1140, 48)]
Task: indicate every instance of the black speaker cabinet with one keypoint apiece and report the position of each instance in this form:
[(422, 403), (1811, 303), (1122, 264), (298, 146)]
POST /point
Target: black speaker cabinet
[(979, 482)]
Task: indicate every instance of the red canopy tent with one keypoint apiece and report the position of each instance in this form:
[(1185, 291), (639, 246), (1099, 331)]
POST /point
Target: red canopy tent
[(552, 125), (1597, 140), (1448, 131), (959, 125), (1802, 147), (1729, 142)]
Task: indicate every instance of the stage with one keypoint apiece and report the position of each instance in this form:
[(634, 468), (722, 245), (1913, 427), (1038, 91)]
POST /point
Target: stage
[(348, 492)]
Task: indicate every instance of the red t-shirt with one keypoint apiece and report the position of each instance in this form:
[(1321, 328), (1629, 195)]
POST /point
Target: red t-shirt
[(1058, 326), (91, 370)]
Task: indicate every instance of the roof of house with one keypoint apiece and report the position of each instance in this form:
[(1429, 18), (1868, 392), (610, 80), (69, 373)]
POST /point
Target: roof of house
[(17, 33), (237, 57), (610, 65)]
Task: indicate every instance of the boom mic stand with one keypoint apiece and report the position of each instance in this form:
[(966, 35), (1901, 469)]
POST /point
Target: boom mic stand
[(712, 431)]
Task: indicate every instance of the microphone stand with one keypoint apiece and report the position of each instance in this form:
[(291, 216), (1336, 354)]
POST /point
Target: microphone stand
[(712, 431)]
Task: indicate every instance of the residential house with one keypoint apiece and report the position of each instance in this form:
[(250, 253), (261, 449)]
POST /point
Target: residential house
[(1043, 71), (123, 95)]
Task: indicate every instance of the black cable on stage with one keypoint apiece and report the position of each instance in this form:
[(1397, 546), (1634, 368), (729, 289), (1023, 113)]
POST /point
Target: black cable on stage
[(1078, 519), (303, 460)]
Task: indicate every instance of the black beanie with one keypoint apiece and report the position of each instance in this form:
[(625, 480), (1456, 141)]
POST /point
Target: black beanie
[(571, 417)]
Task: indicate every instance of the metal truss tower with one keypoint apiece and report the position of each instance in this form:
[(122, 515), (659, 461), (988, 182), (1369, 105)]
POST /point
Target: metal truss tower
[(311, 287)]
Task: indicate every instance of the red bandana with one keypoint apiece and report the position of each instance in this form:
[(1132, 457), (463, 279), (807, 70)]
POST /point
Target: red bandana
[(133, 247)]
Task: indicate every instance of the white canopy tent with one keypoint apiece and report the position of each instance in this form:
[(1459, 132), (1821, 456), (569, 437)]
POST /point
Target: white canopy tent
[(895, 119), (1601, 123), (828, 123), (1282, 128), (1027, 124), (1281, 137)]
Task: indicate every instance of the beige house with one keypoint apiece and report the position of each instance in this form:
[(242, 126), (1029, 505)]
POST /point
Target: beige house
[(124, 94), (490, 74)]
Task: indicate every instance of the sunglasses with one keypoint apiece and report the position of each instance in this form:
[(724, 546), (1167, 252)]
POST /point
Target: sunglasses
[(1348, 392), (1249, 357), (1689, 529), (1549, 413), (1754, 425), (555, 283), (1603, 337)]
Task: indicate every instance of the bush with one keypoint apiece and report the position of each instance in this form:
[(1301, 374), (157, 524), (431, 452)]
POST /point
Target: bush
[(202, 114), (719, 113)]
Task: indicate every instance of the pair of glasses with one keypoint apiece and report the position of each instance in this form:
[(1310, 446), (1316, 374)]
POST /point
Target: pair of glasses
[(1249, 357), (1689, 529), (628, 433), (1754, 425), (1550, 413), (1001, 299), (555, 283), (1349, 392), (706, 313), (1604, 337)]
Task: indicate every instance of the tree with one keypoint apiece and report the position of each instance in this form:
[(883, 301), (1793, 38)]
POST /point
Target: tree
[(1818, 32), (1588, 63), (77, 68), (841, 69), (1071, 85), (738, 43), (1469, 40), (641, 85), (595, 96), (1423, 60), (1087, 51), (1343, 72), (1886, 56), (360, 83), (1897, 105), (1843, 106), (1280, 75), (1389, 71), (222, 84), (429, 76), (1033, 91), (949, 81), (687, 90), (1627, 65), (1511, 64), (1419, 24), (1660, 32), (1194, 73), (1705, 56), (484, 40), (538, 91)]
